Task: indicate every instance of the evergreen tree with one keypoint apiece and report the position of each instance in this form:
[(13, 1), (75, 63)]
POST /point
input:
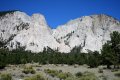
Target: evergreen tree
[(110, 50), (115, 41)]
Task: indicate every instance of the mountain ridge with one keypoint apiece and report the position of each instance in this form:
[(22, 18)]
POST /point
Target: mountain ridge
[(33, 32)]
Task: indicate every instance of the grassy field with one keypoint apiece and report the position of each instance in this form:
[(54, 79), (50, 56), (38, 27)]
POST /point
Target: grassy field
[(57, 72)]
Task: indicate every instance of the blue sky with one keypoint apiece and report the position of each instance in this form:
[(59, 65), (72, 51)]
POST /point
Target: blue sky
[(58, 12)]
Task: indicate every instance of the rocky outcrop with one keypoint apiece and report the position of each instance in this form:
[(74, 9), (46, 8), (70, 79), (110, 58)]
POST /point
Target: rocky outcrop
[(17, 29)]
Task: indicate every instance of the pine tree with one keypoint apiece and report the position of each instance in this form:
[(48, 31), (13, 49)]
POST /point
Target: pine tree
[(110, 50)]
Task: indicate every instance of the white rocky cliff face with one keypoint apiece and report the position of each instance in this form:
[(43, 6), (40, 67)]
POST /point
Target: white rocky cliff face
[(89, 32), (17, 29), (20, 30)]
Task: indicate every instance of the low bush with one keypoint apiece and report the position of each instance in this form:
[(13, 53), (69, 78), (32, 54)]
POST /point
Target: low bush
[(58, 74), (117, 79), (62, 75), (78, 74), (60, 71), (72, 78), (52, 73), (100, 70), (28, 69), (88, 76), (117, 74), (114, 70), (84, 76), (36, 77), (5, 77)]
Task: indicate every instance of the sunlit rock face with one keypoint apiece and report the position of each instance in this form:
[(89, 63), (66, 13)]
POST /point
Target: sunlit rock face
[(89, 32), (17, 29)]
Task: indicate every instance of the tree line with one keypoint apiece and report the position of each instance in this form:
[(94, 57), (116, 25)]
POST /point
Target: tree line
[(110, 55)]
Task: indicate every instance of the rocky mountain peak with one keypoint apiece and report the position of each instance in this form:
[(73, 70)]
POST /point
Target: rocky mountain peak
[(39, 19), (17, 29), (89, 32)]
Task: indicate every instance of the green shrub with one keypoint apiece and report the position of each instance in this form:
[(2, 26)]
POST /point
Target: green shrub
[(84, 76), (72, 78), (100, 70), (52, 73), (117, 74), (117, 79), (58, 74), (5, 77), (60, 71), (114, 70), (28, 69), (88, 76), (63, 75), (78, 74), (25, 71), (36, 77), (32, 71)]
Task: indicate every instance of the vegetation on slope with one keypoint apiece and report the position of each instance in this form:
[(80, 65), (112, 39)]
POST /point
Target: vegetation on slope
[(110, 55)]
